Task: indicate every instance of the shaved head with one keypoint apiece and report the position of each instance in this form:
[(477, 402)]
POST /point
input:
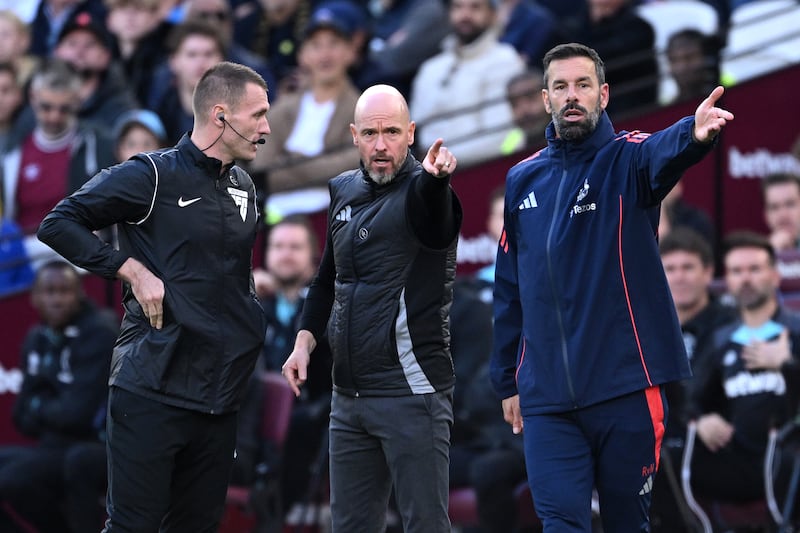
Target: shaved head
[(382, 131), (384, 98)]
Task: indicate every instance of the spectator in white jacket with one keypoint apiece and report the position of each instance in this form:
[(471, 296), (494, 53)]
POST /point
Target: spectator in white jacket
[(460, 92)]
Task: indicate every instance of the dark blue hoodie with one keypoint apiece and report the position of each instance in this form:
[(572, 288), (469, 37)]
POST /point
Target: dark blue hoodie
[(583, 312)]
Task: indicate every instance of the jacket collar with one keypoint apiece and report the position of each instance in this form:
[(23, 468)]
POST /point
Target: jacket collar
[(587, 148), (201, 160)]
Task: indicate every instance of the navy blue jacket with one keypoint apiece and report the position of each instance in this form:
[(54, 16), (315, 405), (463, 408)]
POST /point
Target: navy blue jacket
[(583, 312)]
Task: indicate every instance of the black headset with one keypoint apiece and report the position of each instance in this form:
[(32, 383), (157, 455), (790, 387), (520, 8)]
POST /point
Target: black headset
[(221, 116)]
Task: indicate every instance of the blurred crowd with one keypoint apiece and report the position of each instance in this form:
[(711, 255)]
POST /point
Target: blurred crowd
[(470, 69)]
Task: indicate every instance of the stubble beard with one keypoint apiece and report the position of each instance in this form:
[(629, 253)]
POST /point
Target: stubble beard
[(748, 298), (292, 279)]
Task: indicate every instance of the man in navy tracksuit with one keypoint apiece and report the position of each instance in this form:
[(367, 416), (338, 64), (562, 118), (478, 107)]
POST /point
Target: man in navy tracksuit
[(585, 330)]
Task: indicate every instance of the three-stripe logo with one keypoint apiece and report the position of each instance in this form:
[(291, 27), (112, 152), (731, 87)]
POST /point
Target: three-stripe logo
[(344, 215), (529, 202)]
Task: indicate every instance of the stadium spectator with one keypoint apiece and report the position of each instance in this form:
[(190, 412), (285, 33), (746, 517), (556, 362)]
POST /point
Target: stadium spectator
[(494, 227), (194, 47), (357, 18), (15, 40), (139, 130), (51, 18), (689, 265), (524, 94), (461, 91), (404, 34), (781, 194), (16, 273), (626, 42), (11, 101), (274, 29), (740, 391), (693, 59), (87, 45), (219, 14), (56, 158), (530, 28), (65, 363), (484, 455), (311, 139), (676, 212), (139, 31), (291, 261), (85, 475)]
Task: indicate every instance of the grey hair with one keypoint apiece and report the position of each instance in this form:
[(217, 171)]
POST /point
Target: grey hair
[(56, 75)]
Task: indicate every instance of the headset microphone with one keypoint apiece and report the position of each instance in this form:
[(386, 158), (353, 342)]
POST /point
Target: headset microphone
[(221, 116)]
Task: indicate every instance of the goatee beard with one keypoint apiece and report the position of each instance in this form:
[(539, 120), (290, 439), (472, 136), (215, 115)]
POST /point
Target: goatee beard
[(382, 178)]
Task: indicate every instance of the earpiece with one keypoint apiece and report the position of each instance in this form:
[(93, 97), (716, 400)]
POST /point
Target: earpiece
[(221, 117)]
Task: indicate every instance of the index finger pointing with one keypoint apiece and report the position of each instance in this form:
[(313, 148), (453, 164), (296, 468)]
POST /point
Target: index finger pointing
[(714, 96), (437, 144)]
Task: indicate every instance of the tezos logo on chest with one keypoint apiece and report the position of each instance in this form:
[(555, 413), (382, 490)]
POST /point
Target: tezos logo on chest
[(579, 208)]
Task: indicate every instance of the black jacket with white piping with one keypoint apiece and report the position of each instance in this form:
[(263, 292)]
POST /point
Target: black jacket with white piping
[(193, 224)]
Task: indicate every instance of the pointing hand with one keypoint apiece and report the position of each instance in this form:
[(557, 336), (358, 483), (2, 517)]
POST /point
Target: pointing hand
[(709, 119)]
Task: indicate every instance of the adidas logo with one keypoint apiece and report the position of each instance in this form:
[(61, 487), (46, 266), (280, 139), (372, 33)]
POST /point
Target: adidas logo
[(529, 203), (648, 486), (344, 215)]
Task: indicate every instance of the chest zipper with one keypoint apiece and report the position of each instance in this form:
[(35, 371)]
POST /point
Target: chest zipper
[(551, 273)]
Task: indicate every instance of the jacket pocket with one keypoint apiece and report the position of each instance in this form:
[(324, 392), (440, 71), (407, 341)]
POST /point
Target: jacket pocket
[(154, 354)]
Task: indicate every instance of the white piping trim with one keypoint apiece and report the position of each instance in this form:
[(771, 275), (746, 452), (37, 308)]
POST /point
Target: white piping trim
[(155, 191)]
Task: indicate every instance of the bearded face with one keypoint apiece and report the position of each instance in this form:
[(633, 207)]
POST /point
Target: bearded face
[(574, 97), (574, 122)]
